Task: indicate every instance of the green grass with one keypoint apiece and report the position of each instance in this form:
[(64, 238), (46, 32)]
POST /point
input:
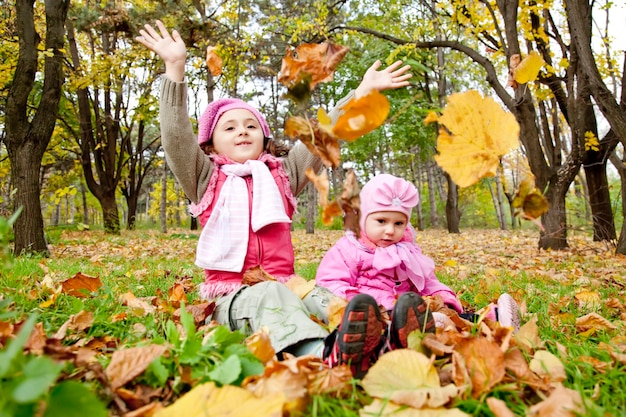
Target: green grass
[(145, 262)]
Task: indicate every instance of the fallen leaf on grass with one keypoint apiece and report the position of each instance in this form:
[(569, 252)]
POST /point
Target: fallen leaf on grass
[(138, 306), (592, 322), (126, 364), (209, 400), (562, 402), (407, 377), (385, 408), (499, 407), (81, 285), (484, 361), (260, 345), (79, 321), (548, 366)]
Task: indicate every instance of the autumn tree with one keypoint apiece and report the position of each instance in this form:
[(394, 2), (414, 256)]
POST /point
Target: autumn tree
[(493, 36), (30, 123)]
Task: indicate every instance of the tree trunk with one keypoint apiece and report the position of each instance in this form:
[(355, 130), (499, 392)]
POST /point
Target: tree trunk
[(28, 131), (554, 236), (311, 206), (163, 208), (453, 215), (131, 203), (620, 165), (600, 201), (500, 198), (434, 218)]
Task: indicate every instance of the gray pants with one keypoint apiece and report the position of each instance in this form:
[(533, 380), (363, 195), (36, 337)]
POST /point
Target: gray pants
[(273, 306)]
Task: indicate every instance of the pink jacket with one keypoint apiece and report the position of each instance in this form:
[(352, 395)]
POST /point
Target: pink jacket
[(353, 267), (269, 247)]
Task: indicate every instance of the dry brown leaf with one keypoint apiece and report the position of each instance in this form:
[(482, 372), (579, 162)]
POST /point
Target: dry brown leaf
[(289, 377), (321, 184), (81, 285), (407, 377), (331, 211), (499, 408), (335, 381), (126, 364), (176, 295), (592, 322), (548, 366), (528, 335), (385, 408), (227, 401), (317, 140), (260, 345), (255, 275), (484, 361), (300, 286), (317, 61), (79, 321), (138, 306), (213, 61), (562, 402)]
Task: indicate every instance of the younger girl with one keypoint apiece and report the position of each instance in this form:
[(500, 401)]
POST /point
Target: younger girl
[(384, 266), (243, 191)]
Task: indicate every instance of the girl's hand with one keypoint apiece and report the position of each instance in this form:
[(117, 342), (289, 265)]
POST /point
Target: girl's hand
[(170, 48), (391, 77)]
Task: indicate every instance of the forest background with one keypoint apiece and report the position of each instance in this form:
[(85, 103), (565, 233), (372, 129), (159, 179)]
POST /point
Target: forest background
[(79, 105)]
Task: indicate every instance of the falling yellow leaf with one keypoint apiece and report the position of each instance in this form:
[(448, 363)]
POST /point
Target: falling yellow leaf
[(528, 201), (431, 117), (209, 400), (528, 68), (407, 377), (321, 184), (361, 116), (477, 133)]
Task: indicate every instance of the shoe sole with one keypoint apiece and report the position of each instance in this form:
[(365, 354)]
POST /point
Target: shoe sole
[(410, 313), (508, 312), (359, 334)]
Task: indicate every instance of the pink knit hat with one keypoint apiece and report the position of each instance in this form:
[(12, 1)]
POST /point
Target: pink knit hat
[(386, 192), (217, 108)]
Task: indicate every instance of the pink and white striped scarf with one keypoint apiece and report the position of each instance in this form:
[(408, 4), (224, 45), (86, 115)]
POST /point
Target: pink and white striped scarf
[(223, 242)]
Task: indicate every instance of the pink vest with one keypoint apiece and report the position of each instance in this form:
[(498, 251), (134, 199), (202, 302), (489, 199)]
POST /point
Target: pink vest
[(270, 247)]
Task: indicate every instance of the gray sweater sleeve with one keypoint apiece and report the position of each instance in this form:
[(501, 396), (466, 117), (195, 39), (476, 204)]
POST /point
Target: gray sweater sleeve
[(191, 167)]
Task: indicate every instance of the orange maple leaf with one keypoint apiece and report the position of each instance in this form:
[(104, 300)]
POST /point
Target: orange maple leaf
[(361, 116), (81, 285), (315, 60), (213, 61)]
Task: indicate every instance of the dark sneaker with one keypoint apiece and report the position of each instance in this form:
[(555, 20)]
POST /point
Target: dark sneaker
[(359, 336), (410, 313), (508, 312)]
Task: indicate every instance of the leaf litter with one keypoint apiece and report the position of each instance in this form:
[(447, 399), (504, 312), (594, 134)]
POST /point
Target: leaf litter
[(465, 360)]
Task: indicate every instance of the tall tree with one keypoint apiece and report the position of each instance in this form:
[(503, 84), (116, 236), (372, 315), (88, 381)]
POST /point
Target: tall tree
[(28, 131)]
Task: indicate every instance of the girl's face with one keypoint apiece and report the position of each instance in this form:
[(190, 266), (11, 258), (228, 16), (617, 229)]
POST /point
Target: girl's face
[(238, 135), (384, 228)]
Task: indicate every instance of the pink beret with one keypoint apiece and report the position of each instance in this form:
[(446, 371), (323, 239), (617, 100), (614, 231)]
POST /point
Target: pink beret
[(386, 192), (217, 108)]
